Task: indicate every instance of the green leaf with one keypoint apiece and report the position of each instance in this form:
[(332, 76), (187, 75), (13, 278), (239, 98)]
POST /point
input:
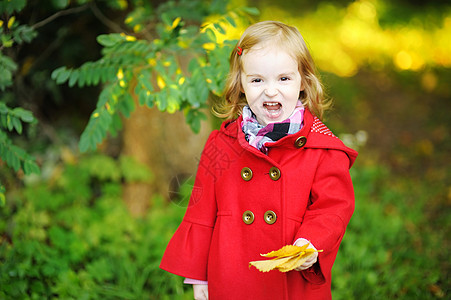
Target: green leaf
[(211, 35), (194, 118), (253, 11), (60, 4), (126, 105), (88, 73), (7, 63), (166, 19), (61, 75), (109, 40), (17, 124), (219, 28), (9, 123), (11, 6), (145, 80), (81, 77), (73, 78), (100, 121), (24, 33), (116, 124), (231, 21), (96, 73), (23, 114), (191, 96)]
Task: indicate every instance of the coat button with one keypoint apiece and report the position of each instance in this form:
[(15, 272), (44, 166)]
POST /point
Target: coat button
[(270, 217), (246, 174), (274, 173), (300, 142), (248, 217)]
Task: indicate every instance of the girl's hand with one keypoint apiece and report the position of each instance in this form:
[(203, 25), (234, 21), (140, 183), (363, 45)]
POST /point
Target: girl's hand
[(313, 258), (200, 291)]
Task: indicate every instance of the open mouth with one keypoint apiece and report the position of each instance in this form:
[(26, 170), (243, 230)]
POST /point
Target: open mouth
[(272, 107)]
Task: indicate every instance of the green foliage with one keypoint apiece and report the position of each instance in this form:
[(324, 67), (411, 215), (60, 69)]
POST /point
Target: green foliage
[(12, 6), (148, 65), (383, 255), (11, 34), (14, 156), (71, 237)]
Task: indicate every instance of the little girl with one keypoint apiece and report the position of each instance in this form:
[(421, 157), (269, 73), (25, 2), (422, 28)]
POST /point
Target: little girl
[(273, 175)]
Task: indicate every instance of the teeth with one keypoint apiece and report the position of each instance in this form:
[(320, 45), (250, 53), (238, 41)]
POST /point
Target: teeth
[(271, 104)]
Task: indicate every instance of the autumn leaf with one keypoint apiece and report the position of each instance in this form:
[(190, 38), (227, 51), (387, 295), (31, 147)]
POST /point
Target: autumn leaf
[(287, 250), (294, 262), (268, 265), (285, 259)]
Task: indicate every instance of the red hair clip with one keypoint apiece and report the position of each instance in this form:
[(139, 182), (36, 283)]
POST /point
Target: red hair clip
[(239, 50)]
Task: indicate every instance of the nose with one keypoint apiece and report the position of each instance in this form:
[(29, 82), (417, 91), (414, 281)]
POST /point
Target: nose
[(271, 90)]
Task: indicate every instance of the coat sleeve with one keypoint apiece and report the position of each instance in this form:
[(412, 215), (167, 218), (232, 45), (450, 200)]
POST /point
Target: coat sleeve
[(329, 211), (187, 252)]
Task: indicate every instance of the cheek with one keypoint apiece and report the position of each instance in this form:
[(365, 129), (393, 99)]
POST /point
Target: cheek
[(294, 93)]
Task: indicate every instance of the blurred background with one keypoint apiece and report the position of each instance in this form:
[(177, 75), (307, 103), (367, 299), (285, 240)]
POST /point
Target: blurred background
[(105, 108)]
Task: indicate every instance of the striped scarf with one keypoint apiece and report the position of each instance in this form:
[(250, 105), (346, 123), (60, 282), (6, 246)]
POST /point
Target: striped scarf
[(258, 135)]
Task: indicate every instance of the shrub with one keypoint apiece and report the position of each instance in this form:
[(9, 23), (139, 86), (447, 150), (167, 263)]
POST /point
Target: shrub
[(72, 237)]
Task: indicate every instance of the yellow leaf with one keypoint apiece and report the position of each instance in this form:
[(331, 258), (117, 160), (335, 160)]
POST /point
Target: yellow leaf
[(160, 82), (287, 250), (294, 262), (120, 74), (122, 4), (11, 21), (128, 38), (137, 28), (209, 46), (152, 62), (268, 265), (173, 106), (181, 80), (176, 22), (285, 259), (1, 23)]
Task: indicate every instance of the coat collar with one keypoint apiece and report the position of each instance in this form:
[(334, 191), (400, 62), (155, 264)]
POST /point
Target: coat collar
[(317, 135)]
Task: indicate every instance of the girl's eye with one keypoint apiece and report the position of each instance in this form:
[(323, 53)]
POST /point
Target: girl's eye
[(257, 80), (284, 78)]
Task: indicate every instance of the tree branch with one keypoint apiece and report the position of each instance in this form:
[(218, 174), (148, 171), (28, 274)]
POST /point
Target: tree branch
[(107, 22), (60, 14)]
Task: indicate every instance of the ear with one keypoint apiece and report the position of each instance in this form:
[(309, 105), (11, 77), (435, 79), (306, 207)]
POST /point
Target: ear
[(302, 84)]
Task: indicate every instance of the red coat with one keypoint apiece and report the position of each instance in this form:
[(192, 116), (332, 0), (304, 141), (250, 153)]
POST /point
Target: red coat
[(309, 191)]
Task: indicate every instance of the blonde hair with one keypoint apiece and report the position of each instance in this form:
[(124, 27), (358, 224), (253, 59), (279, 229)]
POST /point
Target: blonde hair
[(285, 37)]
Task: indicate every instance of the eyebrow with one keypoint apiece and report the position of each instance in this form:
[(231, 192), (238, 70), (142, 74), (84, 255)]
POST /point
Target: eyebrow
[(281, 74)]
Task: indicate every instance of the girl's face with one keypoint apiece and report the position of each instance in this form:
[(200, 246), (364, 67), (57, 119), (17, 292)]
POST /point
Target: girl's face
[(271, 83)]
